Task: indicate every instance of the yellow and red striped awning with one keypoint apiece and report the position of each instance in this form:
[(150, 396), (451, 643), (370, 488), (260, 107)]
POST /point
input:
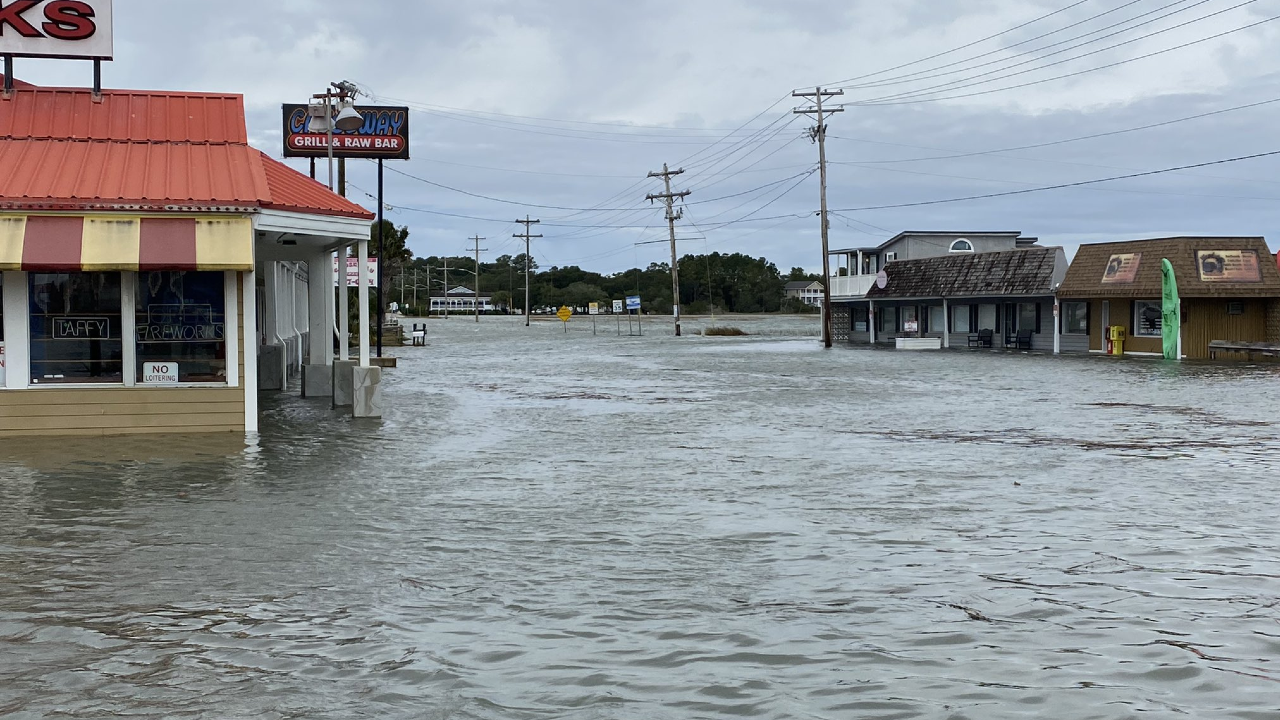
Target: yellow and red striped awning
[(101, 243)]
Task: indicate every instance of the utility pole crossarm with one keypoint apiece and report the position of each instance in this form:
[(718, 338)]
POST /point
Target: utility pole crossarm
[(819, 135), (668, 199), (528, 224)]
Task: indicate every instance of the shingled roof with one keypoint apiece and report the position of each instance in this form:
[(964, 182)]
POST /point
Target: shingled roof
[(1085, 278), (1026, 272)]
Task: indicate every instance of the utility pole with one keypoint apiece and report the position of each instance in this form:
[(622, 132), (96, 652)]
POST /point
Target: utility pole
[(446, 288), (669, 198), (819, 135), (527, 226), (415, 290), (478, 250)]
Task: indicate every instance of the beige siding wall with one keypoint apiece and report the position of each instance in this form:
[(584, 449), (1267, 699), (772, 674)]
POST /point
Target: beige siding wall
[(69, 410)]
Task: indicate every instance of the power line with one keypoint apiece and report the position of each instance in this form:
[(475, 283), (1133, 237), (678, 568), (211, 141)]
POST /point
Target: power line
[(1065, 141), (909, 101), (961, 47), (1063, 185), (907, 79)]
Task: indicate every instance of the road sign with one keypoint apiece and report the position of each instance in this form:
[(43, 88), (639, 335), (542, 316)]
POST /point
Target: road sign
[(633, 302), (594, 308), (564, 314), (617, 304)]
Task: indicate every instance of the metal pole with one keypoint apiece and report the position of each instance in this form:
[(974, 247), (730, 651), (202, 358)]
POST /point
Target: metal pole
[(328, 108), (97, 78), (8, 74), (382, 260)]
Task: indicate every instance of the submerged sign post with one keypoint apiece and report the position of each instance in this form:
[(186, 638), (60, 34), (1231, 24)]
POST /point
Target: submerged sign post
[(564, 313), (633, 303)]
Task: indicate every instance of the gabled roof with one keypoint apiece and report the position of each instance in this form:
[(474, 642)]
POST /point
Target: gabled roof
[(1085, 278), (802, 284), (1023, 272), (948, 233), (63, 149)]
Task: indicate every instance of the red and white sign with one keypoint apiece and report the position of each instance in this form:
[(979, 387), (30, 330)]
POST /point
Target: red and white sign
[(391, 144), (353, 272), (160, 373), (78, 29)]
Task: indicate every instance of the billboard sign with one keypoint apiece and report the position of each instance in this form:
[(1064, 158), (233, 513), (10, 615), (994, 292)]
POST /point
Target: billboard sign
[(633, 302), (353, 272), (1228, 266), (73, 29), (1122, 269), (385, 134)]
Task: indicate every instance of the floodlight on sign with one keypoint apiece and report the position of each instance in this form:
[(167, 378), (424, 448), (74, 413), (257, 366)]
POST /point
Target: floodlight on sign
[(348, 118)]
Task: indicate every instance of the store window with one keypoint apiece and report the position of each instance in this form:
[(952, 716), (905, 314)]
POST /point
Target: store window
[(1028, 317), (859, 318), (182, 325), (1147, 318), (960, 319), (937, 318), (1075, 318), (76, 328)]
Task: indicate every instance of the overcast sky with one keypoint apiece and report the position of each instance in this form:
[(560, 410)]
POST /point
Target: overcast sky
[(570, 103)]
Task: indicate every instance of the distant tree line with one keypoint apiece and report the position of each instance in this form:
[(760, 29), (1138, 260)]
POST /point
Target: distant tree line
[(733, 283)]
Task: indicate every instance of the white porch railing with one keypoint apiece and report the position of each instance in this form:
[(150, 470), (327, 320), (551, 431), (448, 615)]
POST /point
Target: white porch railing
[(851, 286)]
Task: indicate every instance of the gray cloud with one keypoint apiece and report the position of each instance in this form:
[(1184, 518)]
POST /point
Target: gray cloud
[(714, 64)]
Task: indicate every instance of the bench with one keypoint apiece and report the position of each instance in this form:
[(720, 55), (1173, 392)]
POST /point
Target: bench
[(984, 339), (1248, 348)]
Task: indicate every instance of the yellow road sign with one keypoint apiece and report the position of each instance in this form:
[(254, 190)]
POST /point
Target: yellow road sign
[(564, 314)]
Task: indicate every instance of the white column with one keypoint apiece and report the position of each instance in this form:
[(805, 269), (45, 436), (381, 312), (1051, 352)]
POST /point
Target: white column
[(871, 320), (17, 331), (1057, 327), (231, 328), (250, 352), (320, 307), (363, 300), (129, 326), (344, 310), (859, 268), (946, 324)]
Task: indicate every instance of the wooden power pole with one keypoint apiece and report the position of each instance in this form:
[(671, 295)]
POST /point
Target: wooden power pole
[(527, 226), (668, 199), (819, 135), (478, 250)]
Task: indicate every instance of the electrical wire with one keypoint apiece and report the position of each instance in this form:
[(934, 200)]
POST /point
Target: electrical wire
[(1063, 185), (911, 101), (912, 77), (1052, 143), (966, 46)]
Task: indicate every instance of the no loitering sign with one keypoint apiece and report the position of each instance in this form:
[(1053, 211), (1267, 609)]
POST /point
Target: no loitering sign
[(160, 373)]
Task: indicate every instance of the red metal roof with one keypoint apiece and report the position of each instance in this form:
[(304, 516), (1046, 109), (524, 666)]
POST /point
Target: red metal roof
[(291, 190), (62, 149)]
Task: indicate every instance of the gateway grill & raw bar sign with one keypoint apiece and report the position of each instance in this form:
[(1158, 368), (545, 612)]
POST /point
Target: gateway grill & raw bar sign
[(385, 135), (75, 29)]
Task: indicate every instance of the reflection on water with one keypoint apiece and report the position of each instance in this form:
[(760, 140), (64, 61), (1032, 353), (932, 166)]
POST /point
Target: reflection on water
[(568, 525)]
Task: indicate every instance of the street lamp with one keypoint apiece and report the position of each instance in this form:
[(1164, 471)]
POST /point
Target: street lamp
[(334, 109)]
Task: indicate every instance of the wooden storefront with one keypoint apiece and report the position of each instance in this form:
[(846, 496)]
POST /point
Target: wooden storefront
[(1244, 307)]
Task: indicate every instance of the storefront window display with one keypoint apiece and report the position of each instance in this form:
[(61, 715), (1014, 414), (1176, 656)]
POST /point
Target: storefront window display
[(76, 328), (181, 327)]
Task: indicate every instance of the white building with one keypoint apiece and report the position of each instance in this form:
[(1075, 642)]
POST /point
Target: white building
[(461, 299)]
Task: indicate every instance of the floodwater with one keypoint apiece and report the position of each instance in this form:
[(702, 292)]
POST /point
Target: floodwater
[(553, 525)]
